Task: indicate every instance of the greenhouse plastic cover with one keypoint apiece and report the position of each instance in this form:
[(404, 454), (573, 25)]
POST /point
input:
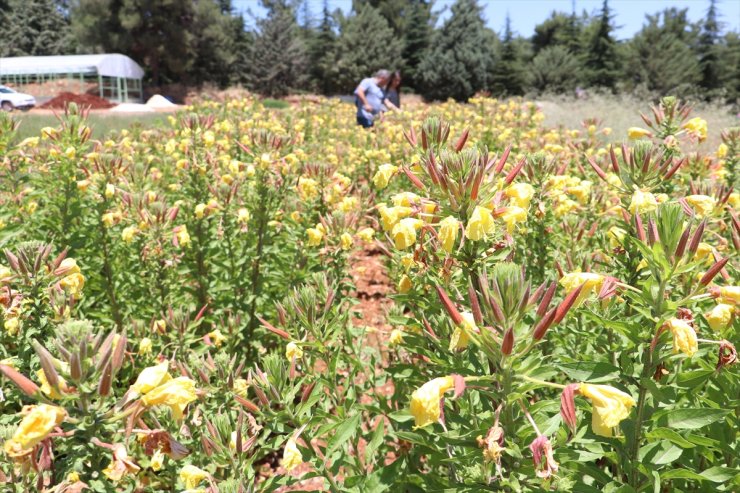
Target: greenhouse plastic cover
[(107, 65)]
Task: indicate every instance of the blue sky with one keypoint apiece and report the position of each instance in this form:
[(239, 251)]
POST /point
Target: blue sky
[(525, 14)]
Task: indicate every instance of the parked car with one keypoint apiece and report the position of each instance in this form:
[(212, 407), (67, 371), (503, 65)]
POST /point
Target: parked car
[(10, 99)]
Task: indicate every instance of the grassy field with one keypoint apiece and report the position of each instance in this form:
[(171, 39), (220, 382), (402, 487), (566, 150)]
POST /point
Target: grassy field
[(622, 112), (102, 124)]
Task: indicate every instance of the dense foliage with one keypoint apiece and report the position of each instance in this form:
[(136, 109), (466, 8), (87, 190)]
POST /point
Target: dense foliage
[(297, 47), (179, 307)]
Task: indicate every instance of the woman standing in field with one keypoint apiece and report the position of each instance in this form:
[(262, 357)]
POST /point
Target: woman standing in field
[(392, 92)]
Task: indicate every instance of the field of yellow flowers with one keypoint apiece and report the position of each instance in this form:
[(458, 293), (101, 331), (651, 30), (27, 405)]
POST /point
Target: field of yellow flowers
[(180, 310)]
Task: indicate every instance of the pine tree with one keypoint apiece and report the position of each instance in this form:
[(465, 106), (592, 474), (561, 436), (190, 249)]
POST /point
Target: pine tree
[(555, 69), (709, 59), (36, 28), (460, 57), (366, 44), (601, 58), (659, 56), (218, 37), (558, 30), (416, 39), (508, 77), (278, 58), (322, 53), (731, 81)]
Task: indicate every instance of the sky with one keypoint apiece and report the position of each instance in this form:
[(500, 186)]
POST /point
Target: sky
[(525, 14)]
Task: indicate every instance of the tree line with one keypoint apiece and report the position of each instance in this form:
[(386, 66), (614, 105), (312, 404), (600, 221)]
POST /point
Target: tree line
[(292, 49)]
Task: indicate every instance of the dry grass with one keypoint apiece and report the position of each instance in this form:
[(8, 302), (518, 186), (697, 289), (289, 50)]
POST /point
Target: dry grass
[(622, 112)]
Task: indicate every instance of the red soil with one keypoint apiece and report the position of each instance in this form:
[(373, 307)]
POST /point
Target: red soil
[(83, 100)]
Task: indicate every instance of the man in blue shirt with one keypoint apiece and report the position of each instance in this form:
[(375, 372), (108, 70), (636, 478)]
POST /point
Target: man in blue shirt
[(369, 97)]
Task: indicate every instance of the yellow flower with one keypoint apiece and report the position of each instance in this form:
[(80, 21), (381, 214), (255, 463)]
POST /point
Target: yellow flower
[(592, 281), (128, 233), (110, 191), (34, 427), (396, 337), (643, 202), (151, 378), (697, 127), (405, 199), (145, 346), (404, 233), (720, 317), (292, 350), (520, 194), (616, 236), (47, 389), (448, 229), (480, 225), (157, 460), (12, 326), (461, 336), (73, 284), (366, 234), (722, 150), (638, 133), (73, 477), (389, 216), (308, 188), (240, 387), (217, 337), (405, 284), (582, 191), (200, 211), (513, 215), (703, 204), (610, 407), (110, 219), (426, 399), (292, 457), (314, 236), (384, 174), (176, 394), (191, 476), (730, 294), (704, 252), (182, 235), (684, 337), (346, 241)]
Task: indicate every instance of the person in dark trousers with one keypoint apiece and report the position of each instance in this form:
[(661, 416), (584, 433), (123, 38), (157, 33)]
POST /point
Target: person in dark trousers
[(393, 91), (369, 98)]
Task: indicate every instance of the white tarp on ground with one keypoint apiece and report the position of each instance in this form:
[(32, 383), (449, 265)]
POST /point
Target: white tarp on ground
[(107, 65)]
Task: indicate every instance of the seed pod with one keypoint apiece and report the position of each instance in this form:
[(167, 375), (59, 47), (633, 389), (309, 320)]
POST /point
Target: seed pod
[(274, 329), (681, 247), (449, 306), (545, 303), (27, 386), (597, 169), (251, 407), (696, 239), (105, 381), (713, 271), (541, 328), (307, 390), (47, 364), (568, 406), (565, 306), (508, 343)]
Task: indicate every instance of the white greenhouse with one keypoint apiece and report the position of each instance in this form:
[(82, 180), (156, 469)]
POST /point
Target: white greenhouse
[(111, 76)]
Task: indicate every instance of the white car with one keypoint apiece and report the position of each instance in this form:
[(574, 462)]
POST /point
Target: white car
[(10, 99)]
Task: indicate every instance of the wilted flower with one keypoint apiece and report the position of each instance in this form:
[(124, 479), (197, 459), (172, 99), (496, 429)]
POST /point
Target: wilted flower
[(120, 465), (697, 128), (684, 336), (425, 401), (292, 457), (610, 406), (396, 337), (544, 462), (492, 444), (34, 427), (157, 461)]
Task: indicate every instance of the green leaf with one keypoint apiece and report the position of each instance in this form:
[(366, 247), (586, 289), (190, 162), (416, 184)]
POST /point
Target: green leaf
[(719, 474), (693, 379), (689, 419), (681, 474), (673, 436), (659, 453), (345, 431), (375, 441), (590, 371)]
